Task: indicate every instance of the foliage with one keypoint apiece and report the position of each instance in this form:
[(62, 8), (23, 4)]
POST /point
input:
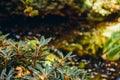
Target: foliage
[(101, 8), (59, 69), (29, 51), (7, 76), (91, 42), (95, 9), (28, 59), (112, 47), (95, 42), (85, 43)]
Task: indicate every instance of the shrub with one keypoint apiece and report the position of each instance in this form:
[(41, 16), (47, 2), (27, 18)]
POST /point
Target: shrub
[(30, 59)]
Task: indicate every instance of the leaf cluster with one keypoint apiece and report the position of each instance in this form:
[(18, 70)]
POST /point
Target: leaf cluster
[(57, 70), (30, 60), (112, 47)]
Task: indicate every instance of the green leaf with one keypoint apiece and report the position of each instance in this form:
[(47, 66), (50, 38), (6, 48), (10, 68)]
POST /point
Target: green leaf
[(83, 76), (33, 70), (68, 55), (28, 77), (9, 77), (51, 69), (115, 56), (60, 54), (11, 42), (42, 41), (2, 37), (47, 69), (47, 41), (5, 76), (40, 68), (11, 71), (61, 72), (3, 73), (20, 43), (112, 47), (113, 50)]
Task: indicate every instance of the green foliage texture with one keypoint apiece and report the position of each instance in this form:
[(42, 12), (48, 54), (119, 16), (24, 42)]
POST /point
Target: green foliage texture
[(95, 9), (31, 60), (112, 47)]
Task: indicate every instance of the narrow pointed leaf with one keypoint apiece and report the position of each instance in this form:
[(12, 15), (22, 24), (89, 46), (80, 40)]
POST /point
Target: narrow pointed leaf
[(40, 68)]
